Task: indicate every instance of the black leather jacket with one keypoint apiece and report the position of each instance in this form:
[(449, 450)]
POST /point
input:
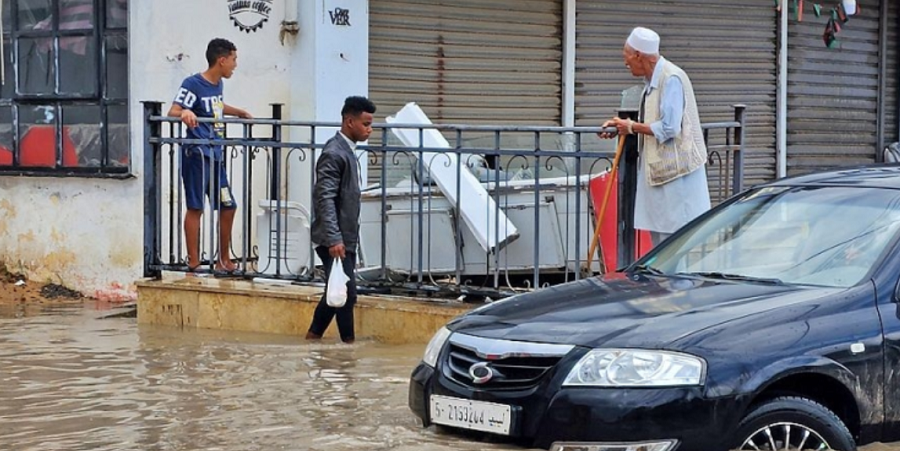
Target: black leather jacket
[(336, 196)]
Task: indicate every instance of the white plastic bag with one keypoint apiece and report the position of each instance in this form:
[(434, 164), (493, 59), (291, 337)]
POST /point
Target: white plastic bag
[(336, 292)]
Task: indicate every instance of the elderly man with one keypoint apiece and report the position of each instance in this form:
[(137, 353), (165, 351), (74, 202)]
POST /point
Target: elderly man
[(671, 184)]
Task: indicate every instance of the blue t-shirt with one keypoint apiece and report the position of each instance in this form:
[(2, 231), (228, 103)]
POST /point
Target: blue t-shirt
[(205, 100)]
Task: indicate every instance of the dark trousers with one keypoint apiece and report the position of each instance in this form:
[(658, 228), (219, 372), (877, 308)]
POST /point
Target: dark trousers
[(324, 313)]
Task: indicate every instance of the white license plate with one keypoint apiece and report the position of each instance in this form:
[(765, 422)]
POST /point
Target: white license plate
[(474, 415)]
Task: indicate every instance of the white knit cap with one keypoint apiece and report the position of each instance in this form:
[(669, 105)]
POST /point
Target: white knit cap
[(644, 40)]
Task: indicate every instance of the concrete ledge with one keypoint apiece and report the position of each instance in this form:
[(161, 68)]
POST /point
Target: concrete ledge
[(210, 303)]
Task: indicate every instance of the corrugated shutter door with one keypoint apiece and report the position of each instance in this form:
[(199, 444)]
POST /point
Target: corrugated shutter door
[(892, 93), (832, 93), (467, 61), (726, 47)]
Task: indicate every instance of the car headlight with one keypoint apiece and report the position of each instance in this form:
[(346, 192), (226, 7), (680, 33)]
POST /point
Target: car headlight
[(636, 368), (433, 350)]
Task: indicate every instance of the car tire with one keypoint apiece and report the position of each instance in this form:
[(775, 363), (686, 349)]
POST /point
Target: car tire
[(798, 413)]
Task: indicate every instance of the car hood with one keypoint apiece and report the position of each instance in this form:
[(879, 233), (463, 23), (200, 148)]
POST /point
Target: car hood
[(636, 311)]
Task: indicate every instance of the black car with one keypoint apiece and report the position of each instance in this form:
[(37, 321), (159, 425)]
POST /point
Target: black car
[(770, 322)]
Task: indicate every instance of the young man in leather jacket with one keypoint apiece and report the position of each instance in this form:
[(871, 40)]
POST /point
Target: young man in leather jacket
[(336, 201)]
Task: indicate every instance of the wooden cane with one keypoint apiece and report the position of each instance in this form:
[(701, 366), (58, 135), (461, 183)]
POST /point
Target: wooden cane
[(612, 180)]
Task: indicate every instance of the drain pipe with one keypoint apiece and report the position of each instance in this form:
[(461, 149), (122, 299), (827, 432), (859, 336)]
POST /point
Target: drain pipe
[(568, 81), (568, 67), (781, 127)]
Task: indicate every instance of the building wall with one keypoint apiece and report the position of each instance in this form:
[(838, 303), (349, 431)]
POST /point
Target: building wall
[(87, 233)]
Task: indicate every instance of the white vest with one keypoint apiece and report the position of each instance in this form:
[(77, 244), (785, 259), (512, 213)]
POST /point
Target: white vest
[(687, 153)]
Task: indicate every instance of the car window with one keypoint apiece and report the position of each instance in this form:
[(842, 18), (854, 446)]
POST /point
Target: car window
[(830, 236)]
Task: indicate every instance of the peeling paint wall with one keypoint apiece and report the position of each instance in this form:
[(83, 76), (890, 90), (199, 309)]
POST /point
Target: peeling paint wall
[(79, 233)]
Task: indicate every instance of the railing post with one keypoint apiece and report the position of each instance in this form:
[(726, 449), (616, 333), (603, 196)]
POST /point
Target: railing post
[(739, 140), (384, 206), (247, 242), (152, 183), (627, 192), (274, 189), (276, 153)]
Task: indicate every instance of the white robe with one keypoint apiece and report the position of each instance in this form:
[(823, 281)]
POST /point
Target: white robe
[(667, 207)]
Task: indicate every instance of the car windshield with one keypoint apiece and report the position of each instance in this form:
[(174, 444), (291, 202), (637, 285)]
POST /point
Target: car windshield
[(826, 236)]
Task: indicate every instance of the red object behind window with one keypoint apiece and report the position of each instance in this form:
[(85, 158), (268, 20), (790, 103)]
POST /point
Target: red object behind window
[(6, 156), (38, 148)]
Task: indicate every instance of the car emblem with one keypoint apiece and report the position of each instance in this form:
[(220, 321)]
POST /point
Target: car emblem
[(481, 373)]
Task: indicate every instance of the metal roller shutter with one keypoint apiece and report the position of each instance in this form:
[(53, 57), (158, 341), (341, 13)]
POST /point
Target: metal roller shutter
[(468, 61), (892, 93), (727, 48), (832, 93)]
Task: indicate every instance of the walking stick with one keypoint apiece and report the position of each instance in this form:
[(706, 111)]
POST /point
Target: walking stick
[(612, 179)]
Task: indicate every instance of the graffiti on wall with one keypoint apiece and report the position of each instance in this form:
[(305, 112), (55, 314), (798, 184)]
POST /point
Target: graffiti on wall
[(340, 17)]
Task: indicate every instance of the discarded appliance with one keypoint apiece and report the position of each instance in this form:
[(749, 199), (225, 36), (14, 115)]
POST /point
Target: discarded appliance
[(284, 225), (559, 239), (490, 227)]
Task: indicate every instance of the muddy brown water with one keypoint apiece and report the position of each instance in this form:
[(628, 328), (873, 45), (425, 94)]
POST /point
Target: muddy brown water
[(72, 381)]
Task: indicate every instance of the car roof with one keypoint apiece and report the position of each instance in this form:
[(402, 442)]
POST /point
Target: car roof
[(874, 176)]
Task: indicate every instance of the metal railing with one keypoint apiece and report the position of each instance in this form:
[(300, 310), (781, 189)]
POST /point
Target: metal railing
[(414, 235)]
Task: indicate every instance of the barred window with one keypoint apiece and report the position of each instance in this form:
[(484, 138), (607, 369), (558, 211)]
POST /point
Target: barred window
[(64, 87)]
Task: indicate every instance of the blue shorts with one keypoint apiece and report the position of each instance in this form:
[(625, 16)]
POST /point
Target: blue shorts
[(203, 176)]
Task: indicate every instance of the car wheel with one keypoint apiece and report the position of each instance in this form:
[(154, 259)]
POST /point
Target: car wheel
[(791, 423)]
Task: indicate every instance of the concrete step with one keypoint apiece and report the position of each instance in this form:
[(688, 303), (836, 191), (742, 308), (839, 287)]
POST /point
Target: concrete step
[(228, 304)]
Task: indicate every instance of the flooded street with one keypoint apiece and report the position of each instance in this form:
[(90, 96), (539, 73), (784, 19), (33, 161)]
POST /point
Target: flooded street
[(72, 381)]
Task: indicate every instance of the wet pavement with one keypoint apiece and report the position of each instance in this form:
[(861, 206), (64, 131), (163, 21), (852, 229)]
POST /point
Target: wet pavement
[(72, 381)]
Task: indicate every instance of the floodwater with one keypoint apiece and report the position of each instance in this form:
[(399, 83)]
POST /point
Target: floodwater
[(70, 380)]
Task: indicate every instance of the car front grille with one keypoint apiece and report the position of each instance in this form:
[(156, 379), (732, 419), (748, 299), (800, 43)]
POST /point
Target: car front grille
[(508, 373)]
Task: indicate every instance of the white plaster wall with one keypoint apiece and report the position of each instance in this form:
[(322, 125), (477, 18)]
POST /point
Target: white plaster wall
[(342, 57), (334, 59)]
